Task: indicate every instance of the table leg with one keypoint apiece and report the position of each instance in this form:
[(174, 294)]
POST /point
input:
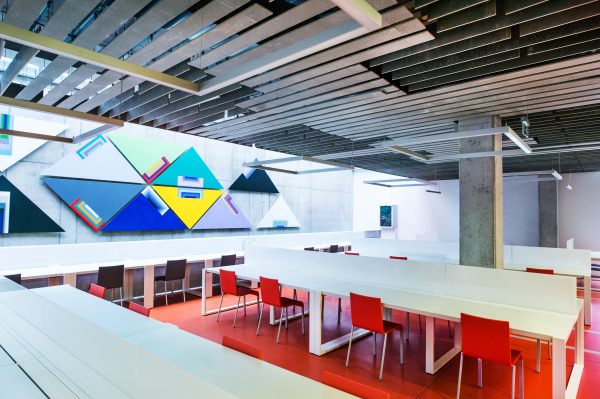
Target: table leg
[(207, 284), (204, 273), (314, 323), (431, 365), (149, 286), (71, 279), (185, 285), (128, 285), (387, 314), (587, 300), (575, 378)]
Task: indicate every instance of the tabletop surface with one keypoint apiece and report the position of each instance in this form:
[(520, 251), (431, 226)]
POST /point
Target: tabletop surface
[(522, 319)]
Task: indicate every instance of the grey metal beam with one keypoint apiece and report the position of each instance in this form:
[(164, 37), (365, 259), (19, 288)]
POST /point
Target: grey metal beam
[(468, 16), (23, 13), (14, 68), (443, 8), (104, 80), (200, 114), (477, 29), (511, 6), (362, 12), (562, 18), (115, 102), (72, 81), (211, 118)]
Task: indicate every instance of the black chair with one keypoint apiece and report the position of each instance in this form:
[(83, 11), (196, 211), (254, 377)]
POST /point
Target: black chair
[(309, 249), (111, 277), (333, 248), (175, 271), (14, 277), (228, 260)]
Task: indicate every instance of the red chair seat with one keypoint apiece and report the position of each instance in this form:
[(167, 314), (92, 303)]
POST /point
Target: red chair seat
[(287, 302), (515, 356), (246, 291), (388, 326)]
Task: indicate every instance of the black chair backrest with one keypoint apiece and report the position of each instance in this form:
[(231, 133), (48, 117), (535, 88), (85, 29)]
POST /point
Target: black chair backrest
[(333, 248), (14, 277), (111, 277), (228, 260), (309, 249), (175, 270)]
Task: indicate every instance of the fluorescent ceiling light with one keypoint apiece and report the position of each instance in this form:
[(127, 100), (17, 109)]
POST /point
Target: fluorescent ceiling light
[(385, 183), (335, 166)]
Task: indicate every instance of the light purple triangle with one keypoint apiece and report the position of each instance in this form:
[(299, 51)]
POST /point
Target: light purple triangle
[(220, 216)]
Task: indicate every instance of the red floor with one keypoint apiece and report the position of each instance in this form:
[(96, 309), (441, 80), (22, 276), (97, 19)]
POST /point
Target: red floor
[(408, 381)]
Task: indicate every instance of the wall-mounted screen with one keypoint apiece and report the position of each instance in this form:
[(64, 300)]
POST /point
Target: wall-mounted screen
[(385, 216)]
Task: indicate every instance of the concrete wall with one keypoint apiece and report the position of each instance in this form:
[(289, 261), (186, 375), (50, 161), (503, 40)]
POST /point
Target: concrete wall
[(321, 202), (579, 210), (426, 216)]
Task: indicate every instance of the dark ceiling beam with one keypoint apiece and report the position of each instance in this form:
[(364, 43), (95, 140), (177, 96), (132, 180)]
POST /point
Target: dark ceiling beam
[(468, 16)]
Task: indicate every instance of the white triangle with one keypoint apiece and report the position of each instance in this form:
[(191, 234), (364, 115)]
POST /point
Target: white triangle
[(97, 159), (23, 146), (280, 211)]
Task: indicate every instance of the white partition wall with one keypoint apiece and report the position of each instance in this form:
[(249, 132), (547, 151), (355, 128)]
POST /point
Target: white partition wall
[(306, 239), (434, 250), (551, 258)]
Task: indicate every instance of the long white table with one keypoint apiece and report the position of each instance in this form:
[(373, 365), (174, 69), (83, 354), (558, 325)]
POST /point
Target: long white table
[(524, 321), (200, 357)]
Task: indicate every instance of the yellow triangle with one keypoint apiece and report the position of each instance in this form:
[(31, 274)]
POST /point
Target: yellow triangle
[(189, 210)]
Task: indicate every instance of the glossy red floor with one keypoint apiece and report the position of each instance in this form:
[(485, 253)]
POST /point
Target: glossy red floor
[(408, 381)]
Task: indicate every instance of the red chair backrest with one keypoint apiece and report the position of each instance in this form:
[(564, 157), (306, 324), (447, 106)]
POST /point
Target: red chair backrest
[(242, 347), (540, 271), (486, 339), (228, 282), (139, 309), (98, 291), (353, 387), (352, 253), (269, 288), (366, 312), (399, 257)]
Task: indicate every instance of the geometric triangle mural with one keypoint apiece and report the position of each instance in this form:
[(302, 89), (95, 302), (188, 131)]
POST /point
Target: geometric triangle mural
[(107, 183), (280, 215), (99, 159), (146, 212), (189, 170), (18, 214), (149, 157), (15, 148), (189, 204), (224, 214), (95, 201), (255, 180)]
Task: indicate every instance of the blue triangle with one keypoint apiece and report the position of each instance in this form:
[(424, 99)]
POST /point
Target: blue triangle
[(104, 198), (142, 214)]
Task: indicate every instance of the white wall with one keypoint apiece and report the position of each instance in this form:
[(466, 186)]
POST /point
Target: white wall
[(579, 210), (428, 216)]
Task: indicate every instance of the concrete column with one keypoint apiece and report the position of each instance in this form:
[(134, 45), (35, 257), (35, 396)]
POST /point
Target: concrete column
[(548, 205), (481, 230)]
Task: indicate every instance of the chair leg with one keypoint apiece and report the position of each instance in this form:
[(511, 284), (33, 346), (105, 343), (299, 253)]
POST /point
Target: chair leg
[(121, 293), (280, 320), (294, 308), (512, 390), (349, 345), (522, 380), (286, 316), (166, 294), (407, 325), (219, 311), (111, 295), (449, 330), (155, 290), (401, 347), (382, 357), (236, 312), (322, 305), (302, 310), (339, 309), (479, 374), (172, 287), (183, 290), (374, 344), (244, 305), (459, 376), (257, 307), (420, 328), (539, 355), (260, 318)]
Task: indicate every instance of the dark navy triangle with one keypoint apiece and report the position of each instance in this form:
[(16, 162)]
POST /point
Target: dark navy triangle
[(259, 181)]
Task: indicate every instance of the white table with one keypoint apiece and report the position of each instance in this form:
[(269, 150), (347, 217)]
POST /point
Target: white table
[(324, 247), (70, 272), (14, 383), (523, 321), (203, 358)]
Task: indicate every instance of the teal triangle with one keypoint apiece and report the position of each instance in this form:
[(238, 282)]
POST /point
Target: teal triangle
[(186, 172)]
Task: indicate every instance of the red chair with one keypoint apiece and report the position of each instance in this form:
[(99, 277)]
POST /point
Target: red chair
[(272, 296), (139, 309), (242, 347), (98, 291), (353, 387), (352, 253), (229, 286), (399, 257), (488, 339), (367, 313), (539, 341)]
